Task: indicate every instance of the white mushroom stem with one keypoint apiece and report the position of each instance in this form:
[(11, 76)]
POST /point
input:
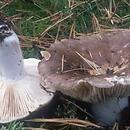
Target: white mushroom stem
[(11, 59), (109, 112)]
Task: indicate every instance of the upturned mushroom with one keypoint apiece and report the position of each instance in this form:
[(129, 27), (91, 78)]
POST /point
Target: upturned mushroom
[(20, 89), (93, 68)]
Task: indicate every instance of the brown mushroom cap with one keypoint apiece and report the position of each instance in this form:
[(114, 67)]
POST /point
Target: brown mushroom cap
[(90, 68)]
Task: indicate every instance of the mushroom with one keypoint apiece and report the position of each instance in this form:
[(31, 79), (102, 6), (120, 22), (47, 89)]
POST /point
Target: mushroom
[(20, 89), (93, 68)]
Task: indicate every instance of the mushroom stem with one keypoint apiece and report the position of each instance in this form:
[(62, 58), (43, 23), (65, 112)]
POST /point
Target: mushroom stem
[(109, 112), (11, 59)]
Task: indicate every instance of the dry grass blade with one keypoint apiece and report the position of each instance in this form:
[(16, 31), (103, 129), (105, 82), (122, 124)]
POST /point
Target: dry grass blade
[(125, 1), (115, 127), (30, 128), (97, 69), (95, 24), (26, 46), (72, 31), (123, 65), (41, 43), (117, 69), (51, 26), (76, 69), (6, 2), (62, 64), (109, 14), (58, 31), (71, 3), (66, 121), (128, 128), (79, 4), (52, 16), (90, 63)]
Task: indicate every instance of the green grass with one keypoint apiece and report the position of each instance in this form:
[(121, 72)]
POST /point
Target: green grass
[(43, 21), (33, 17), (12, 126)]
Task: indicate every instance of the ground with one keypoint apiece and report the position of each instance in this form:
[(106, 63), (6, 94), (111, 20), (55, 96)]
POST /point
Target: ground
[(40, 22)]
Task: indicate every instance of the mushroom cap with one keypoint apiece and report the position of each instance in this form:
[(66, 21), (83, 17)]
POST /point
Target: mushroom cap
[(91, 68), (18, 98)]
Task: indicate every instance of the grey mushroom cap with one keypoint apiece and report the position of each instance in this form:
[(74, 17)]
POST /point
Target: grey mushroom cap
[(91, 68)]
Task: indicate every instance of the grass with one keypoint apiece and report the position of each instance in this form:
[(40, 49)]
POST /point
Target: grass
[(12, 126), (40, 22)]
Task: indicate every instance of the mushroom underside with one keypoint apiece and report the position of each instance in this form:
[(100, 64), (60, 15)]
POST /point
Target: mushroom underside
[(19, 98), (87, 89)]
